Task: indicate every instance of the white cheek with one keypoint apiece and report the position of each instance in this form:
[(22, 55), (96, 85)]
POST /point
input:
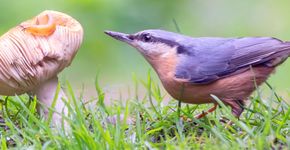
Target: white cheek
[(160, 49), (165, 54), (154, 47), (148, 47)]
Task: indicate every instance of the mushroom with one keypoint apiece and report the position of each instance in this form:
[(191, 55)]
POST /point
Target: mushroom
[(34, 52)]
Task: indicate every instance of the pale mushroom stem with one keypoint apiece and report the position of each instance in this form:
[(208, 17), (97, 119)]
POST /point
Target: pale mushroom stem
[(45, 94)]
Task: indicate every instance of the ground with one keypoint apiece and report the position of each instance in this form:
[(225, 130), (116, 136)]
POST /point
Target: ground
[(145, 123)]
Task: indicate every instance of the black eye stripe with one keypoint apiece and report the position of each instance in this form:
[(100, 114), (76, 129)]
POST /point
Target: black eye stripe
[(131, 37), (183, 50), (147, 37)]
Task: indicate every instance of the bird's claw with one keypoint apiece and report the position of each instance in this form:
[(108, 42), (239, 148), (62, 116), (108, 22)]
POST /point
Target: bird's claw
[(203, 114)]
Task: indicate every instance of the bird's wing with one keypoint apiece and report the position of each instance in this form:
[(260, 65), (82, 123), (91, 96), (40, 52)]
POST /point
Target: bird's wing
[(204, 60)]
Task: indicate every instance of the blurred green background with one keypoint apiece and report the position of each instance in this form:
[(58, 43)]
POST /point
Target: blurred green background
[(116, 61)]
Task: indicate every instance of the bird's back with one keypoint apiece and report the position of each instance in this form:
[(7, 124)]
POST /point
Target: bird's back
[(204, 60)]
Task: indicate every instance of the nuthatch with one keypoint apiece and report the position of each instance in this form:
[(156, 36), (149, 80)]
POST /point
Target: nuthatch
[(193, 69)]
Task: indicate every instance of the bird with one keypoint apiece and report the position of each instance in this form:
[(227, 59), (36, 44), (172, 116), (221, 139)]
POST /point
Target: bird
[(33, 53), (193, 69)]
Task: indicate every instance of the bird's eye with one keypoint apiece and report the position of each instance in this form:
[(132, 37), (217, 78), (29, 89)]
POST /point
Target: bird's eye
[(146, 38)]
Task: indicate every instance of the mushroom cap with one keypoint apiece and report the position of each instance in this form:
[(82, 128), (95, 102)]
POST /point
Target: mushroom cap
[(27, 60)]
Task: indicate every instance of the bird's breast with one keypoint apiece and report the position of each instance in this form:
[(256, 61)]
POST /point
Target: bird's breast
[(235, 87)]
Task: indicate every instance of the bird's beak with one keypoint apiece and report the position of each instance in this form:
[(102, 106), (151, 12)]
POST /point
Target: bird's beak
[(119, 36)]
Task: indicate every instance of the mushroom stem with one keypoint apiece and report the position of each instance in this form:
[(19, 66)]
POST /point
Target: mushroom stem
[(45, 94)]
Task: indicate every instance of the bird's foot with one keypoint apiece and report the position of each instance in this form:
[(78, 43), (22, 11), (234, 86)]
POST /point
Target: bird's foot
[(203, 114), (237, 107)]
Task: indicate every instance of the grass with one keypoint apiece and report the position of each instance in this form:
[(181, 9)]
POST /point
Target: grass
[(265, 124)]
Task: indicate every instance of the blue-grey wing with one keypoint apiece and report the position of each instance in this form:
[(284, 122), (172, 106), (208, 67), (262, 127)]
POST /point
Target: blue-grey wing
[(204, 60)]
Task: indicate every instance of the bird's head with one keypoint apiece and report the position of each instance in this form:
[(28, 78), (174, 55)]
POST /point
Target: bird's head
[(162, 49), (153, 44)]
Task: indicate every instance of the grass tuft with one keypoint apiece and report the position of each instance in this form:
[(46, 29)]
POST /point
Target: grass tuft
[(145, 123)]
